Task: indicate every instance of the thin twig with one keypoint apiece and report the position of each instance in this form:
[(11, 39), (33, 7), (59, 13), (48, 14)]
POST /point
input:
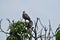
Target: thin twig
[(40, 33), (41, 23), (1, 28)]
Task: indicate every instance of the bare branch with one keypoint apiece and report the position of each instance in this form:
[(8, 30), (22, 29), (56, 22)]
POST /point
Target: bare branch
[(0, 23), (41, 23), (13, 21), (40, 33), (35, 30), (41, 36), (51, 36), (4, 31), (8, 20), (1, 28)]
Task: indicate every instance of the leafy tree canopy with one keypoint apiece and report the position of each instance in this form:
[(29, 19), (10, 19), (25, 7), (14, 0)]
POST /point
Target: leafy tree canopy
[(18, 31)]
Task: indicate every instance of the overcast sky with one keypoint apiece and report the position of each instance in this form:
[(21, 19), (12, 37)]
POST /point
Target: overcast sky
[(44, 9)]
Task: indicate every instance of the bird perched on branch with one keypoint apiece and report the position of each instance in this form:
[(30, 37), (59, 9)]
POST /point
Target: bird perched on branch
[(25, 16), (30, 24)]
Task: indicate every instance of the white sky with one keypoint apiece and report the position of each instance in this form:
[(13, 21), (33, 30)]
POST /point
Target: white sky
[(44, 9)]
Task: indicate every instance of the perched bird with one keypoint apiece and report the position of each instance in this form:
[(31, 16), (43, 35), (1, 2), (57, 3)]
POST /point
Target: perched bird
[(30, 24), (25, 16)]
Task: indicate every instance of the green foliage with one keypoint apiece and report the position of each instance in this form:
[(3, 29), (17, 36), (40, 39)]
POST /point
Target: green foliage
[(12, 38), (58, 33), (18, 31)]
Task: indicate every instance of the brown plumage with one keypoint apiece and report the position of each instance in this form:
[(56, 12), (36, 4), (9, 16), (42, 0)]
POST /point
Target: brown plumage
[(30, 24), (25, 16)]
